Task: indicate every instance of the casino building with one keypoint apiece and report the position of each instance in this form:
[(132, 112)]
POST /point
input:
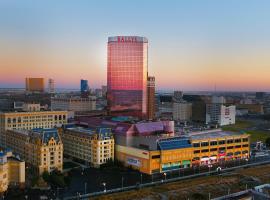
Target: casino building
[(152, 147), (127, 75)]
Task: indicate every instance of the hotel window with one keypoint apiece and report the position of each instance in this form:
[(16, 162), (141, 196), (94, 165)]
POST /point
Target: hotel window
[(213, 149), (204, 144), (197, 151), (237, 140), (213, 143), (196, 144), (230, 147), (221, 142), (245, 139), (222, 148), (245, 145), (205, 150), (244, 152), (229, 141), (155, 156)]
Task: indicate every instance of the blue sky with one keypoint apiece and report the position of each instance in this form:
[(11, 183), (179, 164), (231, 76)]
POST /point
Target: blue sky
[(193, 44)]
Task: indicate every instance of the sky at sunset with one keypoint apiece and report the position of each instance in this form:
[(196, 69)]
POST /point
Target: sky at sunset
[(193, 44)]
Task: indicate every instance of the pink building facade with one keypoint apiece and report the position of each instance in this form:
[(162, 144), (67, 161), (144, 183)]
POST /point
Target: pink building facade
[(127, 65)]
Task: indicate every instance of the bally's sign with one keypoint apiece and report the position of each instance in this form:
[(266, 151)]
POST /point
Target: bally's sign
[(133, 161), (126, 39)]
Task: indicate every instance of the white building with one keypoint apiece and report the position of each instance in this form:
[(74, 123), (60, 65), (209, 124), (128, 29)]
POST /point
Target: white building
[(219, 113), (76, 104)]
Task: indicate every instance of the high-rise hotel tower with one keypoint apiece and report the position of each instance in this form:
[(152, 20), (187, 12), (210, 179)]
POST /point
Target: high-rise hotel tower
[(127, 64)]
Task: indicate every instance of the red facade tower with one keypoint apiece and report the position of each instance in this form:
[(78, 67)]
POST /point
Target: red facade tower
[(127, 63)]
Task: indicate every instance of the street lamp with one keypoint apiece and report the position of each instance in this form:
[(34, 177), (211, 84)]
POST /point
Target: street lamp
[(104, 185), (165, 174), (85, 187), (141, 178)]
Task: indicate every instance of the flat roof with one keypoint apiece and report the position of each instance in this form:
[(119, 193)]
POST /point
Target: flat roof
[(215, 134), (82, 130)]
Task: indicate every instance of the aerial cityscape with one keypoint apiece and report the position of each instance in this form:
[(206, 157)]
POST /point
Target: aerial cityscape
[(142, 100)]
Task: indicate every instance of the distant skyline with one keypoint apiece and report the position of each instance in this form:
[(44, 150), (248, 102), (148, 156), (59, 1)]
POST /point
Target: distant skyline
[(193, 44)]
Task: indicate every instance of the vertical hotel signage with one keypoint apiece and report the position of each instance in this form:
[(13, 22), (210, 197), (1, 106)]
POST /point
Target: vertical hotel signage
[(126, 39)]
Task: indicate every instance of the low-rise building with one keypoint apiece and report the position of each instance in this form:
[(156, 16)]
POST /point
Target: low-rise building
[(92, 146), (252, 108), (155, 153), (12, 171), (76, 104), (41, 149), (30, 120)]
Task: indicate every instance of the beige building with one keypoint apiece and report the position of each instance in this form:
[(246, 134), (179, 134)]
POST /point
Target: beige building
[(12, 171), (41, 149), (30, 120), (76, 104), (92, 146), (182, 111), (34, 84), (31, 107)]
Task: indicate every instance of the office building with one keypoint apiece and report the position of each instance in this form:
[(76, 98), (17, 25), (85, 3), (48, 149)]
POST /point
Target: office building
[(127, 63), (51, 86), (42, 149), (182, 110), (151, 97), (93, 147), (260, 95), (219, 113), (34, 85), (30, 120), (198, 106), (76, 104), (104, 90), (165, 106), (157, 154), (85, 90), (12, 171)]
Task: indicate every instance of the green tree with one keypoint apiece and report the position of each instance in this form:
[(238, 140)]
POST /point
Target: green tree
[(267, 142), (46, 176)]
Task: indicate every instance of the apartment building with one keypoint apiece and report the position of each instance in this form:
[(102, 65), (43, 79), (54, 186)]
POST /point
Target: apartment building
[(30, 120), (41, 149), (91, 146)]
